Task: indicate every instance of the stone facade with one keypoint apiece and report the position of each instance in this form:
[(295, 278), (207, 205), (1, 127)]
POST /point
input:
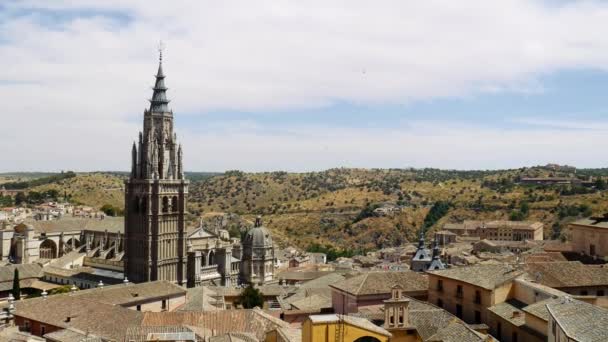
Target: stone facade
[(155, 197), (590, 237), (257, 265)]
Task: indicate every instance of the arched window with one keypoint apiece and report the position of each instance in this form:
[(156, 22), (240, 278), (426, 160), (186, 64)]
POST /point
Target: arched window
[(211, 258), (165, 204), (174, 205)]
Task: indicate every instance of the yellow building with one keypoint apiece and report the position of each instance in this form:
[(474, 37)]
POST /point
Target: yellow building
[(341, 328), (468, 292)]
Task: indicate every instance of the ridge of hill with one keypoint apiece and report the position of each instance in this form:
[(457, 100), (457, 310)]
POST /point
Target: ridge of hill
[(336, 207)]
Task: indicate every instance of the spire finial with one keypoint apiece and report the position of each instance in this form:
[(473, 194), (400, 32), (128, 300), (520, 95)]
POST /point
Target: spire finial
[(161, 47)]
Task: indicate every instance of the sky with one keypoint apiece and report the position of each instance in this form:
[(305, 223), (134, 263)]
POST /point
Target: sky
[(307, 85)]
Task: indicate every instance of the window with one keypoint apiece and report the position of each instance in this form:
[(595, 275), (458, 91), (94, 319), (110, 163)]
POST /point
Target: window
[(439, 285), (440, 303), (26, 325), (164, 304), (591, 249), (477, 297), (584, 293), (477, 317), (600, 292), (458, 310), (138, 308), (174, 204), (459, 291), (165, 204), (42, 330)]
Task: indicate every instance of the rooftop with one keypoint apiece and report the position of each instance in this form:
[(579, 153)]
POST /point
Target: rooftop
[(253, 321), (580, 321), (511, 311), (589, 222), (78, 312), (381, 282), (568, 274), (486, 276), (122, 294), (67, 224)]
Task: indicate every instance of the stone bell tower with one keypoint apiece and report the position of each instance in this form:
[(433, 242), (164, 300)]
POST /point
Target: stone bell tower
[(155, 197)]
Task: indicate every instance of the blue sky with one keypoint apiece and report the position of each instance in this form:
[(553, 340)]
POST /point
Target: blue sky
[(307, 86)]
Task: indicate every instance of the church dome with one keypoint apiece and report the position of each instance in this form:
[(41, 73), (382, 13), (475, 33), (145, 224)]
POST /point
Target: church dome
[(258, 236)]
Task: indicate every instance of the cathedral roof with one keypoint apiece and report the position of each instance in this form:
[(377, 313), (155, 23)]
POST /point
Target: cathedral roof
[(159, 102), (258, 236)]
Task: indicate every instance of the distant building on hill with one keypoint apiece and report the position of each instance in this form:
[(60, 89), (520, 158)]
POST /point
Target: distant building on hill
[(498, 230)]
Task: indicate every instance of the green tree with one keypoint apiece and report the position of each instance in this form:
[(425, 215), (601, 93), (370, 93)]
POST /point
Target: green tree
[(20, 198), (61, 289), (16, 285), (111, 210), (251, 297)]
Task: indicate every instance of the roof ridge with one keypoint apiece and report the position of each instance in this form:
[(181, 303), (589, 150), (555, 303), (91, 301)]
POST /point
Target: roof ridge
[(362, 283)]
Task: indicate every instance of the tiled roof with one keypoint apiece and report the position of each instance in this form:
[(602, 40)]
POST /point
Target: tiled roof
[(511, 311), (581, 321), (539, 309), (312, 303), (200, 298), (85, 315), (71, 335), (161, 333), (457, 331), (590, 223), (568, 274), (290, 334), (234, 337), (67, 224), (26, 271), (122, 294), (370, 283), (485, 276), (253, 321)]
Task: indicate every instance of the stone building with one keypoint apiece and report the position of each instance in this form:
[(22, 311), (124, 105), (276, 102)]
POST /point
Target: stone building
[(573, 320), (590, 236), (155, 197), (467, 292), (498, 230), (373, 288), (33, 241), (257, 259)]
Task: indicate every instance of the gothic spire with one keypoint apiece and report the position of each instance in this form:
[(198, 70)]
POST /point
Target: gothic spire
[(159, 102)]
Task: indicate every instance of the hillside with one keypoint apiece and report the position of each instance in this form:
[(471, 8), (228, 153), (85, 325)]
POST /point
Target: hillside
[(335, 207), (94, 189)]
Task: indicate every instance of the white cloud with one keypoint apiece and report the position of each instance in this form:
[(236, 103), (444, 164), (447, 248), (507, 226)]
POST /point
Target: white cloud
[(73, 73)]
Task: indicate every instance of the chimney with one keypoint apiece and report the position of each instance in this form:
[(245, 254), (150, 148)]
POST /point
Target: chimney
[(516, 314)]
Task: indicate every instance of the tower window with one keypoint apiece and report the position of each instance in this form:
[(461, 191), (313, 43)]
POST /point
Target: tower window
[(174, 206), (165, 205)]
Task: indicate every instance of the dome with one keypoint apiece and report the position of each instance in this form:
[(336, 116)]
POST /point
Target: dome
[(258, 236)]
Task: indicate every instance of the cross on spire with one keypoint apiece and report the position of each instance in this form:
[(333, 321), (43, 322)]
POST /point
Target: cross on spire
[(161, 48)]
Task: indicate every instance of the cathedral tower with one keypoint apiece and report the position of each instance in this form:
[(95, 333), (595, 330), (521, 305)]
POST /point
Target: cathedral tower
[(155, 197)]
